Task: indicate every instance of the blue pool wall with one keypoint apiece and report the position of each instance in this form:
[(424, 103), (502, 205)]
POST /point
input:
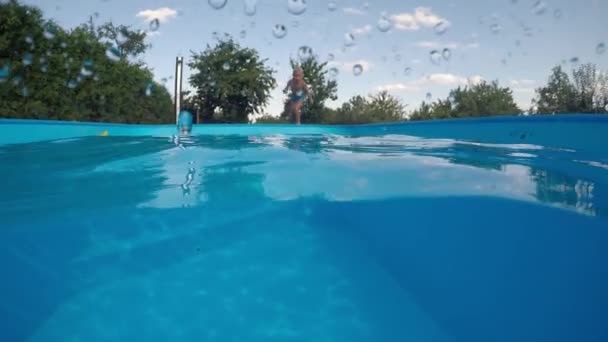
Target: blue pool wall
[(579, 132)]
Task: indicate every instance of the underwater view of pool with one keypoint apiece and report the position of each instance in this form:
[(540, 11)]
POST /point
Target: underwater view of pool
[(483, 230)]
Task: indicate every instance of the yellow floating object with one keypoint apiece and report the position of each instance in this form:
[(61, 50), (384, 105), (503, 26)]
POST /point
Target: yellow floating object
[(104, 134)]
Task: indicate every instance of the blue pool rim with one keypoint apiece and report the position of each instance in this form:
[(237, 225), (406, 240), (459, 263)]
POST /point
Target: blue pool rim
[(576, 131)]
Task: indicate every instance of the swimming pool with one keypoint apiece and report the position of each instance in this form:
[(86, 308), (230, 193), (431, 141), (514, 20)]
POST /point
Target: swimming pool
[(472, 230)]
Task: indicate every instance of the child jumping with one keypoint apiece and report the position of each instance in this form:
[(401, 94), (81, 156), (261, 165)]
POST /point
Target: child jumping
[(299, 93)]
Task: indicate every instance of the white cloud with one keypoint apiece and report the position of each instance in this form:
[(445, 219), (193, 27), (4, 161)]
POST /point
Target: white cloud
[(423, 17), (353, 11), (163, 14), (452, 45), (523, 90), (432, 80), (362, 30), (522, 82)]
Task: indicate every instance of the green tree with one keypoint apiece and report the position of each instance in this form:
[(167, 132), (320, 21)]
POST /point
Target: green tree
[(323, 88), (482, 99), (558, 96), (230, 82), (70, 75)]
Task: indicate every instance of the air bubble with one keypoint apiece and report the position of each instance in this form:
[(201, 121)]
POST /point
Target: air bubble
[(349, 39), (279, 31), (250, 7), (333, 72), (600, 48), (296, 7), (407, 71), (357, 69), (149, 89), (154, 24), (28, 59), (305, 53), (446, 54), (539, 7), (441, 27), (331, 57), (243, 34), (113, 53), (429, 96), (226, 66), (331, 6), (384, 24), (217, 4), (435, 56)]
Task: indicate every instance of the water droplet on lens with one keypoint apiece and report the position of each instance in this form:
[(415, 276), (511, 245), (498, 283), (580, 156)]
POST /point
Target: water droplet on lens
[(606, 108), (250, 7), (539, 7), (296, 7), (557, 13), (429, 96), (398, 57), (226, 66), (44, 68), (331, 57), (217, 4), (295, 23), (154, 25), (384, 24), (113, 53), (357, 69), (349, 39), (600, 48), (435, 56), (305, 53), (28, 59), (279, 31), (441, 27), (574, 60), (149, 89), (495, 28), (72, 84), (49, 32), (331, 6), (243, 34), (446, 54), (86, 72), (25, 92), (333, 72), (29, 40), (407, 71)]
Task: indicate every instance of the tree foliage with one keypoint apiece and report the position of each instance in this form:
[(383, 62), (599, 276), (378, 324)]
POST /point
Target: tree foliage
[(54, 73), (230, 82), (586, 92), (482, 99)]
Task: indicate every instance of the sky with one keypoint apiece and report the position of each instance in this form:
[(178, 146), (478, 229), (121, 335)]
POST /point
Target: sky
[(516, 42)]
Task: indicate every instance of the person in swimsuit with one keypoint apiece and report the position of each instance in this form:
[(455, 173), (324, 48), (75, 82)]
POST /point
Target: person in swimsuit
[(299, 93)]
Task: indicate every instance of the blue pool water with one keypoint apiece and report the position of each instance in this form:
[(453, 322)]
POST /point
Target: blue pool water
[(483, 230)]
